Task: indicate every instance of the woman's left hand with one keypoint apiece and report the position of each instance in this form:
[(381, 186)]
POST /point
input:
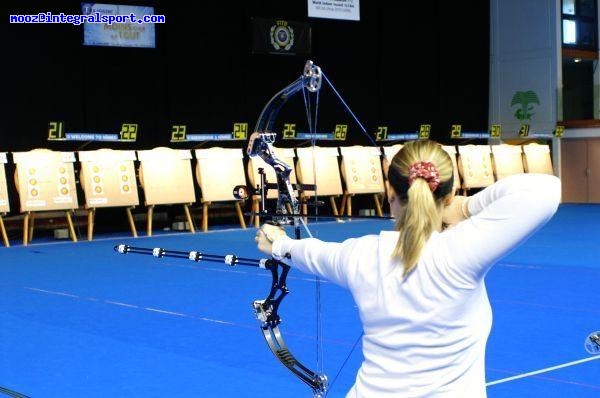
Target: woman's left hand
[(266, 235)]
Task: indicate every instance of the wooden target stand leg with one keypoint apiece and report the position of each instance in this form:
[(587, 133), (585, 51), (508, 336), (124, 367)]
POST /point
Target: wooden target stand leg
[(378, 204), (3, 230), (205, 216), (149, 213), (343, 203), (334, 208), (255, 218), (349, 205), (238, 210), (31, 225), (346, 204), (92, 216), (304, 206), (28, 223), (28, 220), (70, 224), (90, 228), (188, 216), (131, 222)]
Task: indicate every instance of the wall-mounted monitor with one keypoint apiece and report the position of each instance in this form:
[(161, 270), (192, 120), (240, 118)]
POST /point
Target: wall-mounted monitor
[(117, 25)]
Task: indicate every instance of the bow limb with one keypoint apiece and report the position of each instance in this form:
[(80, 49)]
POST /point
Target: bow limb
[(266, 312), (260, 144), (310, 79)]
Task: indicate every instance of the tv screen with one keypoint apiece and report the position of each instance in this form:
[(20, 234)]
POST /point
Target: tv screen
[(116, 25)]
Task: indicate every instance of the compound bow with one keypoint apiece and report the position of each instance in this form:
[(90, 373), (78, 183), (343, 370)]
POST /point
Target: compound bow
[(260, 144)]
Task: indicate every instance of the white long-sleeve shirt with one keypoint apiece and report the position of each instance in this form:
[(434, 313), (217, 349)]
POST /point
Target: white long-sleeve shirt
[(425, 335)]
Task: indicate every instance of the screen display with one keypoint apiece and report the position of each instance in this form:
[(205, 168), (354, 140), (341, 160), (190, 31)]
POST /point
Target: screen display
[(119, 25)]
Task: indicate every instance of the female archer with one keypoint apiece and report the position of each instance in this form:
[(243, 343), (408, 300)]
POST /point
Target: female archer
[(420, 289)]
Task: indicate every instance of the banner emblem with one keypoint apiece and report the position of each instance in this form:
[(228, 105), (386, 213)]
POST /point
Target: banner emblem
[(282, 36)]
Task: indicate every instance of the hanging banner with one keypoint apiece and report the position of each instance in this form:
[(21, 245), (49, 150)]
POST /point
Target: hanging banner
[(276, 36), (334, 9)]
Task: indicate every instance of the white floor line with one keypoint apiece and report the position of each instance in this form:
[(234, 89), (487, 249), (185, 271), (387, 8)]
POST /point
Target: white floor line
[(536, 372)]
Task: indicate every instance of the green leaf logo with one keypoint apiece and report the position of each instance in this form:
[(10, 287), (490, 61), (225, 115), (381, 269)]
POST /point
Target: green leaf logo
[(526, 101)]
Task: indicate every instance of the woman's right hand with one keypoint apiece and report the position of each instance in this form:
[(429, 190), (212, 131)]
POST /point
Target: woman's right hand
[(455, 211)]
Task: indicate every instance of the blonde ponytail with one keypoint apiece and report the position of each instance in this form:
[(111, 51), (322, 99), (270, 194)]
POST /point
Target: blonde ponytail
[(421, 174)]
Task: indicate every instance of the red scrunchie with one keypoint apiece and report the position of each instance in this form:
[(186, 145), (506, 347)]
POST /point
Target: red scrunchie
[(426, 171)]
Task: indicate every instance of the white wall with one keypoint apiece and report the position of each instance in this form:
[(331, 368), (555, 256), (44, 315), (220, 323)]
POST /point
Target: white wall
[(525, 55)]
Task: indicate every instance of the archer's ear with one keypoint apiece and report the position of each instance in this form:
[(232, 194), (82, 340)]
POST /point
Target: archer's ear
[(391, 195)]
